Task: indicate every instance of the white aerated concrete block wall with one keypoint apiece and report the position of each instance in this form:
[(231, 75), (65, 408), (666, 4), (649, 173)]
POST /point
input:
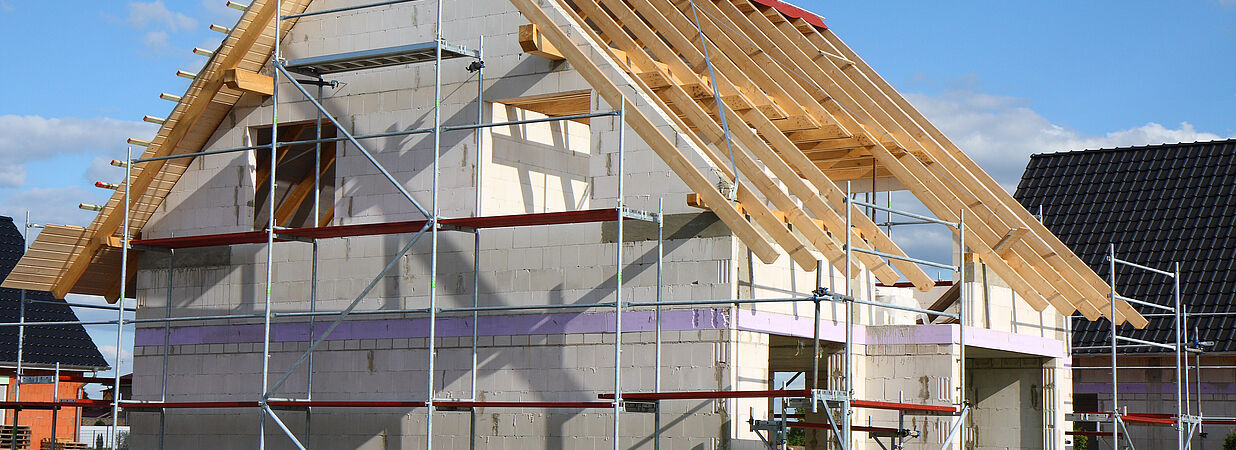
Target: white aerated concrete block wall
[(526, 169)]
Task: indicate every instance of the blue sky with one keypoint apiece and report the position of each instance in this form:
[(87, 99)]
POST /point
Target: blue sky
[(1004, 80)]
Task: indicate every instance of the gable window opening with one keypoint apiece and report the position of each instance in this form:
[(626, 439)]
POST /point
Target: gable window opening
[(294, 176)]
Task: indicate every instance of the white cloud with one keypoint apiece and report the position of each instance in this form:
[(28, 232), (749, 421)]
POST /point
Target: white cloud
[(156, 15), (1001, 133), (219, 12), (126, 357), (155, 40), (33, 138), (5, 6), (52, 205), (12, 175), (101, 169)]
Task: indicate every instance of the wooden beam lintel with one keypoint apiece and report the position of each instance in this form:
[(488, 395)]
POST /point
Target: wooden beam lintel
[(251, 82)]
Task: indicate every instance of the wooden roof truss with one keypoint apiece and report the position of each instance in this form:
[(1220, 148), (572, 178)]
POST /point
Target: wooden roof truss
[(804, 113)]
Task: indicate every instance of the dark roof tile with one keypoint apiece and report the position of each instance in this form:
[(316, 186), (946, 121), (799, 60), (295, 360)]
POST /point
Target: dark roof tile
[(67, 344), (1159, 205)]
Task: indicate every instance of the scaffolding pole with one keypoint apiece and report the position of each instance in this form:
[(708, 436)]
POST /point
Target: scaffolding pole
[(124, 276), (479, 136), (1182, 421)]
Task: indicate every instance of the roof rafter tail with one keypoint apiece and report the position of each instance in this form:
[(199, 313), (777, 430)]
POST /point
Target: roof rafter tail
[(959, 172)]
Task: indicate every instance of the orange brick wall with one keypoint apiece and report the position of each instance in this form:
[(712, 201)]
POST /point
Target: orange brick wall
[(40, 421)]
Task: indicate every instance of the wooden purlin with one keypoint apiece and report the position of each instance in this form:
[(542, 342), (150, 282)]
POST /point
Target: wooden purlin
[(924, 193), (676, 22), (1053, 272), (767, 220), (747, 138), (644, 127), (849, 121), (685, 105), (972, 192), (191, 123), (1044, 241)]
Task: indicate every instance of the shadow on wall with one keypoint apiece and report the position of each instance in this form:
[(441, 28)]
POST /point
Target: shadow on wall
[(212, 266), (1008, 399)]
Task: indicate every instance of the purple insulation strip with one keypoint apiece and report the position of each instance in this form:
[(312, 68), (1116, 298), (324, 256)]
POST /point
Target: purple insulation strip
[(575, 323), (800, 326), (1152, 388)]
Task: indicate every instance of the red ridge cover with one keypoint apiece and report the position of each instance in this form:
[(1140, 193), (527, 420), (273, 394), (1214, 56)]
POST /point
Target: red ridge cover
[(795, 12)]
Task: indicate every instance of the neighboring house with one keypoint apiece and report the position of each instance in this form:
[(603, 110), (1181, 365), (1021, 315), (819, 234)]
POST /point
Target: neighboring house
[(807, 118), (44, 346), (1159, 205)]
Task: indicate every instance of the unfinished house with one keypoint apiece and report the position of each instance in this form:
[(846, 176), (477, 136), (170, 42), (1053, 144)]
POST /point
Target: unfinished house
[(567, 224), (1166, 207)]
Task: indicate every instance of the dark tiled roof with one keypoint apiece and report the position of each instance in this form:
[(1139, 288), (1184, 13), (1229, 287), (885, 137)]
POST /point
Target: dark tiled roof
[(1159, 205), (67, 344)]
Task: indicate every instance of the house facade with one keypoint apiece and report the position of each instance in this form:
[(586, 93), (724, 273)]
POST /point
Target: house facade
[(546, 227)]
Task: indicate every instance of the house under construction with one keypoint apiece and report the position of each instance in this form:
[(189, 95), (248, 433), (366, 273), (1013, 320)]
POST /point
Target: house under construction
[(567, 224)]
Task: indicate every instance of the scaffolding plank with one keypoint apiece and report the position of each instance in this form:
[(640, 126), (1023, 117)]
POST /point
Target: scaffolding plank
[(702, 395), (898, 406), (10, 405), (375, 58), (525, 404), (369, 229), (187, 405), (696, 395), (346, 404)]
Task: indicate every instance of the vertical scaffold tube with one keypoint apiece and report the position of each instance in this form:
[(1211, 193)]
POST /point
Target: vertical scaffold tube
[(1111, 267), (56, 398), (21, 328), (815, 330), (313, 269), (622, 115), (433, 232), (849, 325), (167, 340), (124, 276), (1182, 379), (964, 293), (656, 376), (476, 234), (270, 227)]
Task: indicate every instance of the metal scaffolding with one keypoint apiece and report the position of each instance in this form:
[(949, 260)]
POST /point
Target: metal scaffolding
[(1184, 421), (841, 401)]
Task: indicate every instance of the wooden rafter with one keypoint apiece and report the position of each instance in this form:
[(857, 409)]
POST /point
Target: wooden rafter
[(302, 189), (195, 106), (645, 128), (784, 172), (804, 112), (748, 141), (1063, 280), (780, 233), (1044, 241)]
